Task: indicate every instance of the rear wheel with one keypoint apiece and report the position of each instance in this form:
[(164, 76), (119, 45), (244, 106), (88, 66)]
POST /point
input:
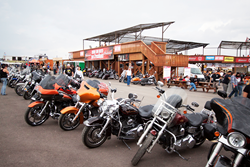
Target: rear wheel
[(65, 121), (142, 150), (33, 116), (90, 138), (19, 90)]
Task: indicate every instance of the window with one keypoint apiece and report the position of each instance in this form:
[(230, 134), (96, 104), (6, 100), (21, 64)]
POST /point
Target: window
[(13, 58)]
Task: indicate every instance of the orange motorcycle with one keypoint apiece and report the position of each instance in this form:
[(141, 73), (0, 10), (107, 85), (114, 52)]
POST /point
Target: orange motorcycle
[(87, 96)]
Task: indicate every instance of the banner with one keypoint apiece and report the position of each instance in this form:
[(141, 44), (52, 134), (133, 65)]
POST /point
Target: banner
[(166, 72), (209, 57), (117, 48), (242, 60), (105, 53), (228, 59), (196, 58), (123, 57), (220, 58)]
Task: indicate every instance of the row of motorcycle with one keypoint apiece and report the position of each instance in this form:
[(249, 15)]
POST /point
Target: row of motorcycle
[(102, 74), (170, 122)]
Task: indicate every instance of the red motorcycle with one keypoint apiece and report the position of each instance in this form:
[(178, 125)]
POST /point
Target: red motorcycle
[(53, 94)]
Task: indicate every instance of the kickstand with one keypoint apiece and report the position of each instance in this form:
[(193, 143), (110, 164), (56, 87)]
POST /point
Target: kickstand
[(181, 156), (126, 144)]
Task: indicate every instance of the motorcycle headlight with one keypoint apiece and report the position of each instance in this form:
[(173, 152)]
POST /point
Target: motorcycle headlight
[(165, 114), (78, 98), (236, 139)]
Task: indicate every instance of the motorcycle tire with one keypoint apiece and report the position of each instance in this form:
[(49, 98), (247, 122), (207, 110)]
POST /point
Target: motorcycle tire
[(31, 116), (142, 150), (19, 90), (156, 84), (142, 84), (65, 123), (120, 79), (89, 137), (125, 80), (103, 77), (26, 96)]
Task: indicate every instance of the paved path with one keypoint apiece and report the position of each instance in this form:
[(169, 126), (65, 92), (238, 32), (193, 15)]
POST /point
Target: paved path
[(47, 145)]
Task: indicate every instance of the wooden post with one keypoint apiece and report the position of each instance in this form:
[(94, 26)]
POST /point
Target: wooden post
[(118, 67), (143, 67), (93, 67), (147, 68), (100, 64), (108, 64)]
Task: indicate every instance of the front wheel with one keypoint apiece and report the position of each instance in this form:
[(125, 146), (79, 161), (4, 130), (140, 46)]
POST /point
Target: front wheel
[(90, 138), (33, 116), (26, 95), (142, 150), (19, 90), (65, 121)]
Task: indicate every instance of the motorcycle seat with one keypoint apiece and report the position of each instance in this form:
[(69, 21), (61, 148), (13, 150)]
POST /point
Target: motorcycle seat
[(146, 111), (195, 119)]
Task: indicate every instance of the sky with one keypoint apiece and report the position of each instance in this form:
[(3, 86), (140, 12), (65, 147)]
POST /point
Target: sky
[(57, 27)]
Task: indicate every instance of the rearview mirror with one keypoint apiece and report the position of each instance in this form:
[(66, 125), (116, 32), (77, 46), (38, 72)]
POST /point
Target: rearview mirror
[(160, 83), (222, 93), (131, 95), (195, 104)]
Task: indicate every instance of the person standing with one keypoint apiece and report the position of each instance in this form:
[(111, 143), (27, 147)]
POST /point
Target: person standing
[(226, 81), (240, 79), (215, 77), (234, 86), (4, 74), (78, 73), (193, 82), (60, 69), (68, 70), (128, 74), (54, 68)]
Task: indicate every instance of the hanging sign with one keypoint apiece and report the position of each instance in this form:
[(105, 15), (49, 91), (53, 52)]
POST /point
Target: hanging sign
[(105, 53), (229, 59), (166, 72)]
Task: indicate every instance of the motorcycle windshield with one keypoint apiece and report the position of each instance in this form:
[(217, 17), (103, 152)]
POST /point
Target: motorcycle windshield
[(233, 114), (62, 80), (48, 82), (26, 71), (36, 76), (174, 96)]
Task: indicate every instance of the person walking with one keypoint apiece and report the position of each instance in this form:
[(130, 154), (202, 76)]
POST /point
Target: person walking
[(193, 82), (78, 73), (226, 81), (234, 86), (4, 74), (68, 71), (240, 79), (128, 74)]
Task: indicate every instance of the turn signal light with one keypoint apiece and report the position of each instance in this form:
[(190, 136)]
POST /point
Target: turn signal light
[(158, 96), (153, 132), (216, 133), (185, 112)]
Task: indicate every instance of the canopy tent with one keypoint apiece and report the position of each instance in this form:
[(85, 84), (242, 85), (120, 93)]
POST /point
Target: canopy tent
[(34, 61), (233, 45)]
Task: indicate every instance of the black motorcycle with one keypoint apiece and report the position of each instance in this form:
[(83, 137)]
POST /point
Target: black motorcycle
[(149, 81), (110, 74), (173, 128), (120, 117), (233, 123)]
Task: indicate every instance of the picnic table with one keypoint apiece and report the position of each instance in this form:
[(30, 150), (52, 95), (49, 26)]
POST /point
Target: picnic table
[(179, 83), (205, 85)]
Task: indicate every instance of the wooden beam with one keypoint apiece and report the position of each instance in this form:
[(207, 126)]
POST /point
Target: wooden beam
[(108, 64)]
